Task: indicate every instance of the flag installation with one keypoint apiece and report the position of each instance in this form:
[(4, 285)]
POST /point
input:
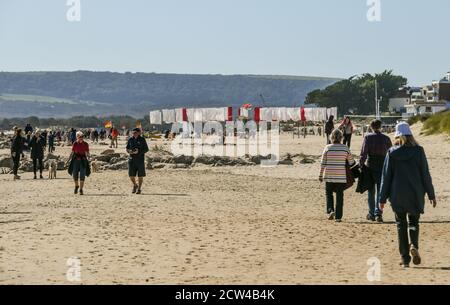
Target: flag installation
[(224, 114), (155, 117)]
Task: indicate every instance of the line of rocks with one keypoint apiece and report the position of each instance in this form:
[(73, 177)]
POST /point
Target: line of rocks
[(110, 160), (160, 161)]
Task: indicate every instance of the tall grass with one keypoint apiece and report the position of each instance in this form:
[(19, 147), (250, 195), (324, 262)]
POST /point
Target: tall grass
[(418, 118), (438, 123)]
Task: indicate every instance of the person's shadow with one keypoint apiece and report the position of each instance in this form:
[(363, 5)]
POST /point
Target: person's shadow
[(434, 268)]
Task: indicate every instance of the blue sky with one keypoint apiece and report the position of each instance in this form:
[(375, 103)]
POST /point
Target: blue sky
[(289, 37)]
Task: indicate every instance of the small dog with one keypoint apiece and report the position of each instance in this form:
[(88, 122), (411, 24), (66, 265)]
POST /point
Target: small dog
[(95, 167), (52, 169)]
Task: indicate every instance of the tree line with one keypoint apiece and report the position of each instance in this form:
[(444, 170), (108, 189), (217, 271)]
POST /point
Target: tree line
[(356, 95), (78, 122)]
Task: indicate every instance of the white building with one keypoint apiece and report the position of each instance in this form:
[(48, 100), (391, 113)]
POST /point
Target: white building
[(398, 103), (430, 99)]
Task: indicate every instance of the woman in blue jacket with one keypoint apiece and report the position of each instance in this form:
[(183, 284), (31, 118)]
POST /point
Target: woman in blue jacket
[(406, 179)]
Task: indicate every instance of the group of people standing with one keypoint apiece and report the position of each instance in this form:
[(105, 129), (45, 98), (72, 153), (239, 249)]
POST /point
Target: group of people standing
[(79, 160), (36, 142), (397, 172)]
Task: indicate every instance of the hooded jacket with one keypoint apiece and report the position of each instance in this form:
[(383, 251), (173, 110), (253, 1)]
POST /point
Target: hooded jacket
[(406, 179)]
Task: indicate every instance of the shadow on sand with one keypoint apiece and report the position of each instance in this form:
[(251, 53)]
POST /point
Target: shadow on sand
[(15, 213), (434, 268), (14, 221)]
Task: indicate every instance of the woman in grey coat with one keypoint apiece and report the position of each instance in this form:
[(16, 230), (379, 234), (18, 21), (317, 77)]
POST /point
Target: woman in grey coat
[(406, 179)]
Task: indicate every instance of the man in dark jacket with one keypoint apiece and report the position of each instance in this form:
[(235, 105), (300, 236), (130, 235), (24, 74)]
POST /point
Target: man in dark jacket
[(373, 152), (17, 147), (137, 148), (406, 179)]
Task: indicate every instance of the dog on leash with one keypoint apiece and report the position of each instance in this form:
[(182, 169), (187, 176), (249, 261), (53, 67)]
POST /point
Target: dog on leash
[(95, 167), (52, 169)]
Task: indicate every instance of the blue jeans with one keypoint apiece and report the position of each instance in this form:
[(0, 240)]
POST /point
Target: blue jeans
[(374, 200)]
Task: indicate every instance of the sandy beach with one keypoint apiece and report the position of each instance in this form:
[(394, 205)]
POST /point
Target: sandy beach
[(227, 225)]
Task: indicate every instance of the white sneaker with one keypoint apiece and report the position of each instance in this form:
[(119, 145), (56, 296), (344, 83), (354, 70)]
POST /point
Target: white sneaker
[(331, 216)]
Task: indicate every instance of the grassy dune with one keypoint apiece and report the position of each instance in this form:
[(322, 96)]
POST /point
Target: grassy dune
[(438, 123)]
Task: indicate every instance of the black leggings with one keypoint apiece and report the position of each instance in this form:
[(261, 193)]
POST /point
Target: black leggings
[(407, 223), (35, 165), (16, 163)]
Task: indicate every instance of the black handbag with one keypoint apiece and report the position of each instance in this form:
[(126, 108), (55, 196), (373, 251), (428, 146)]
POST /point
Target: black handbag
[(70, 169), (350, 178)]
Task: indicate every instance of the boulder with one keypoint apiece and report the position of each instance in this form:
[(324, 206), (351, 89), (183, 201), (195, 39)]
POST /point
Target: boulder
[(5, 144), (286, 159), (52, 157), (156, 166), (183, 160), (106, 158), (118, 159), (5, 170), (5, 161), (157, 158), (26, 166), (257, 159), (118, 166), (176, 166), (108, 152), (286, 162), (206, 160), (307, 160)]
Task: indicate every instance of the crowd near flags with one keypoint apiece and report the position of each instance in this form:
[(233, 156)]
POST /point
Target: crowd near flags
[(247, 111)]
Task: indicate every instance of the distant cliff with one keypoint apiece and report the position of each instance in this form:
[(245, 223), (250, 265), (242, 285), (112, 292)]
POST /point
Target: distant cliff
[(64, 94)]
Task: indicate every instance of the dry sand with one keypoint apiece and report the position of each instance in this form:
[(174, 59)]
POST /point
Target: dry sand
[(243, 225)]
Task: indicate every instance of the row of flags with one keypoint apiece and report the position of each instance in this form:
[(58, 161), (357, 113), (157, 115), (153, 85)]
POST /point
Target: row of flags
[(247, 111), (109, 125)]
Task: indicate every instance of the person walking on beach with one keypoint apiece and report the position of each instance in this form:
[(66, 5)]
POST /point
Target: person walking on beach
[(405, 181), (17, 147), (114, 138), (374, 149), (37, 153), (347, 128), (79, 162), (95, 136), (72, 136), (137, 148), (333, 172), (329, 127)]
